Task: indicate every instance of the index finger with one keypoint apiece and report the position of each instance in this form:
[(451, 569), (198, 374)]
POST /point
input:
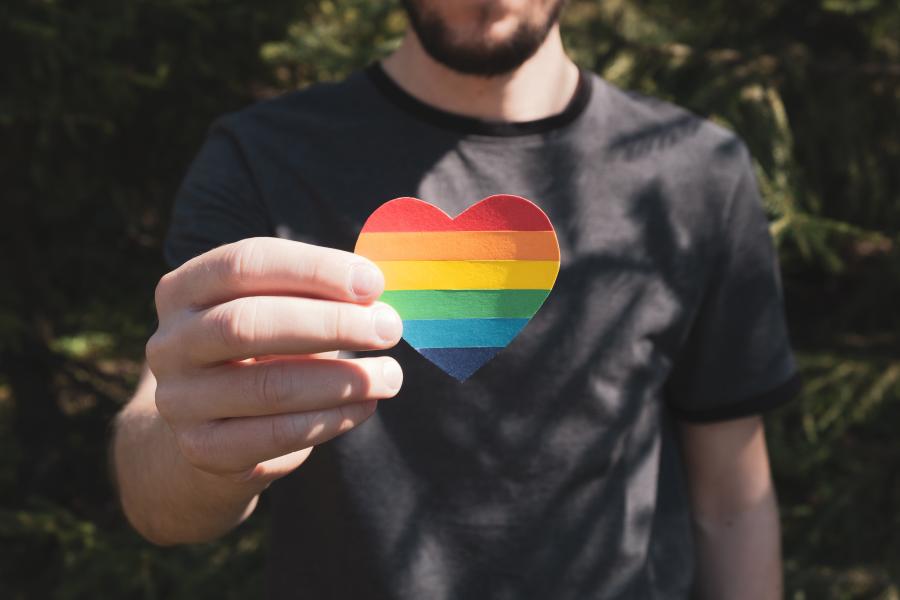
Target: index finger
[(269, 267)]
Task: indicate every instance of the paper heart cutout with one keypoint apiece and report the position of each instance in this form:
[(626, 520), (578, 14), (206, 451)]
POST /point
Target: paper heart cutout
[(464, 287)]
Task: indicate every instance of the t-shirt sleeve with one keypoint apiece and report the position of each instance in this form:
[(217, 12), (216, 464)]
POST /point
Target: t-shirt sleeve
[(217, 203), (737, 358)]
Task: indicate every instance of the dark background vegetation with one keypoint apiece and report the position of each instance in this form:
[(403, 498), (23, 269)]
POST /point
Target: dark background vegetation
[(104, 102)]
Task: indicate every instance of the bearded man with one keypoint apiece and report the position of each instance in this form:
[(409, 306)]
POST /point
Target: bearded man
[(614, 449)]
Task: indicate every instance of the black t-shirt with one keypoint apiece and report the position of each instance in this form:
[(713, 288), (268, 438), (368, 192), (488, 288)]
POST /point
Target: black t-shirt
[(554, 471)]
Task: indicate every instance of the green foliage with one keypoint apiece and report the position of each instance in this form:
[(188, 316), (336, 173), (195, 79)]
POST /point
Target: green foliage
[(59, 555), (336, 39), (106, 102), (104, 105)]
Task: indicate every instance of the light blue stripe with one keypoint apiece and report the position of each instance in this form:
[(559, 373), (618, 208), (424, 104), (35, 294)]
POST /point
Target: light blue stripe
[(461, 333)]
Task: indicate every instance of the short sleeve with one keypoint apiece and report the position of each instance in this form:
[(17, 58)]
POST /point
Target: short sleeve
[(737, 358), (217, 202)]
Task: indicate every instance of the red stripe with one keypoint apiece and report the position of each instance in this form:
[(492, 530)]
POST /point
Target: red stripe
[(494, 213)]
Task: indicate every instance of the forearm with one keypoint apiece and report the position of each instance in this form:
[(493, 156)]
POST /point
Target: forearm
[(739, 553), (165, 498)]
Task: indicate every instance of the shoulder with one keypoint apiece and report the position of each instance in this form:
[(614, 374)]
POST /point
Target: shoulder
[(677, 141), (320, 110), (690, 165)]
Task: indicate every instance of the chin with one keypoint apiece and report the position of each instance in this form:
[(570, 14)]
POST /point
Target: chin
[(482, 37)]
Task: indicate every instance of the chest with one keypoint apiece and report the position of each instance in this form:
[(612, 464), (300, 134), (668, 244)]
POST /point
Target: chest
[(630, 272)]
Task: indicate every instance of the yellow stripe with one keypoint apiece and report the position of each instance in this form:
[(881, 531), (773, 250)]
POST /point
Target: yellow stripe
[(469, 274)]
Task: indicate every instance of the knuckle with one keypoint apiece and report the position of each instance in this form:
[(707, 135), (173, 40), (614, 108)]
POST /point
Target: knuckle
[(196, 445), (154, 350), (166, 402), (224, 325), (233, 324), (163, 291), (314, 271), (288, 430), (242, 262), (336, 322), (271, 386)]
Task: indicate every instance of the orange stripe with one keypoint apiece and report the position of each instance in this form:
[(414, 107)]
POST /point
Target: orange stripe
[(459, 245)]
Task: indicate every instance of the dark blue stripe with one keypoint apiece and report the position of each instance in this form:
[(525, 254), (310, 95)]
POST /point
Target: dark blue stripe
[(461, 333), (459, 363)]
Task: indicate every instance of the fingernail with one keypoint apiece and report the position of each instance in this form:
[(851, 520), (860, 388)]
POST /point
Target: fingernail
[(393, 374), (364, 280), (387, 324)]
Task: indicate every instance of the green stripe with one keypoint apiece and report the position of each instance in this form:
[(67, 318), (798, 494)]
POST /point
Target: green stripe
[(465, 304)]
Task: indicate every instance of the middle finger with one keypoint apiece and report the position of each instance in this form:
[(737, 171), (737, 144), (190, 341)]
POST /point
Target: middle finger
[(266, 325)]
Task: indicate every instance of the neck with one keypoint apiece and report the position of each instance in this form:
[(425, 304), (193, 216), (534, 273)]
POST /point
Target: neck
[(541, 87)]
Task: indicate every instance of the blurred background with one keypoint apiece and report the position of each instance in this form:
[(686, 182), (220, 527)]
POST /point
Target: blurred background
[(105, 102)]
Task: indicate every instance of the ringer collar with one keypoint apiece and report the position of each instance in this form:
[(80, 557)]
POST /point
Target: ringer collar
[(473, 125)]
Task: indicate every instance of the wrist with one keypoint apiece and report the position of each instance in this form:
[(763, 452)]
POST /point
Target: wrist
[(172, 501)]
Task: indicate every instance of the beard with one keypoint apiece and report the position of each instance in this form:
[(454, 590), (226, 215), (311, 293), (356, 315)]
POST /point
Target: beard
[(478, 58)]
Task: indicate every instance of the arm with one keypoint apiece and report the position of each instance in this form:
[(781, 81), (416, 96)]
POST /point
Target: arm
[(211, 425), (735, 511), (164, 497)]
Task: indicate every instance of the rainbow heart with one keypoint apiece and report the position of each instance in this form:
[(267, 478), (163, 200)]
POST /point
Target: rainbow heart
[(464, 287)]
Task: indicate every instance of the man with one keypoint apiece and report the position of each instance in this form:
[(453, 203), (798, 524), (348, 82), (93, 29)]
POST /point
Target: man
[(613, 450)]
